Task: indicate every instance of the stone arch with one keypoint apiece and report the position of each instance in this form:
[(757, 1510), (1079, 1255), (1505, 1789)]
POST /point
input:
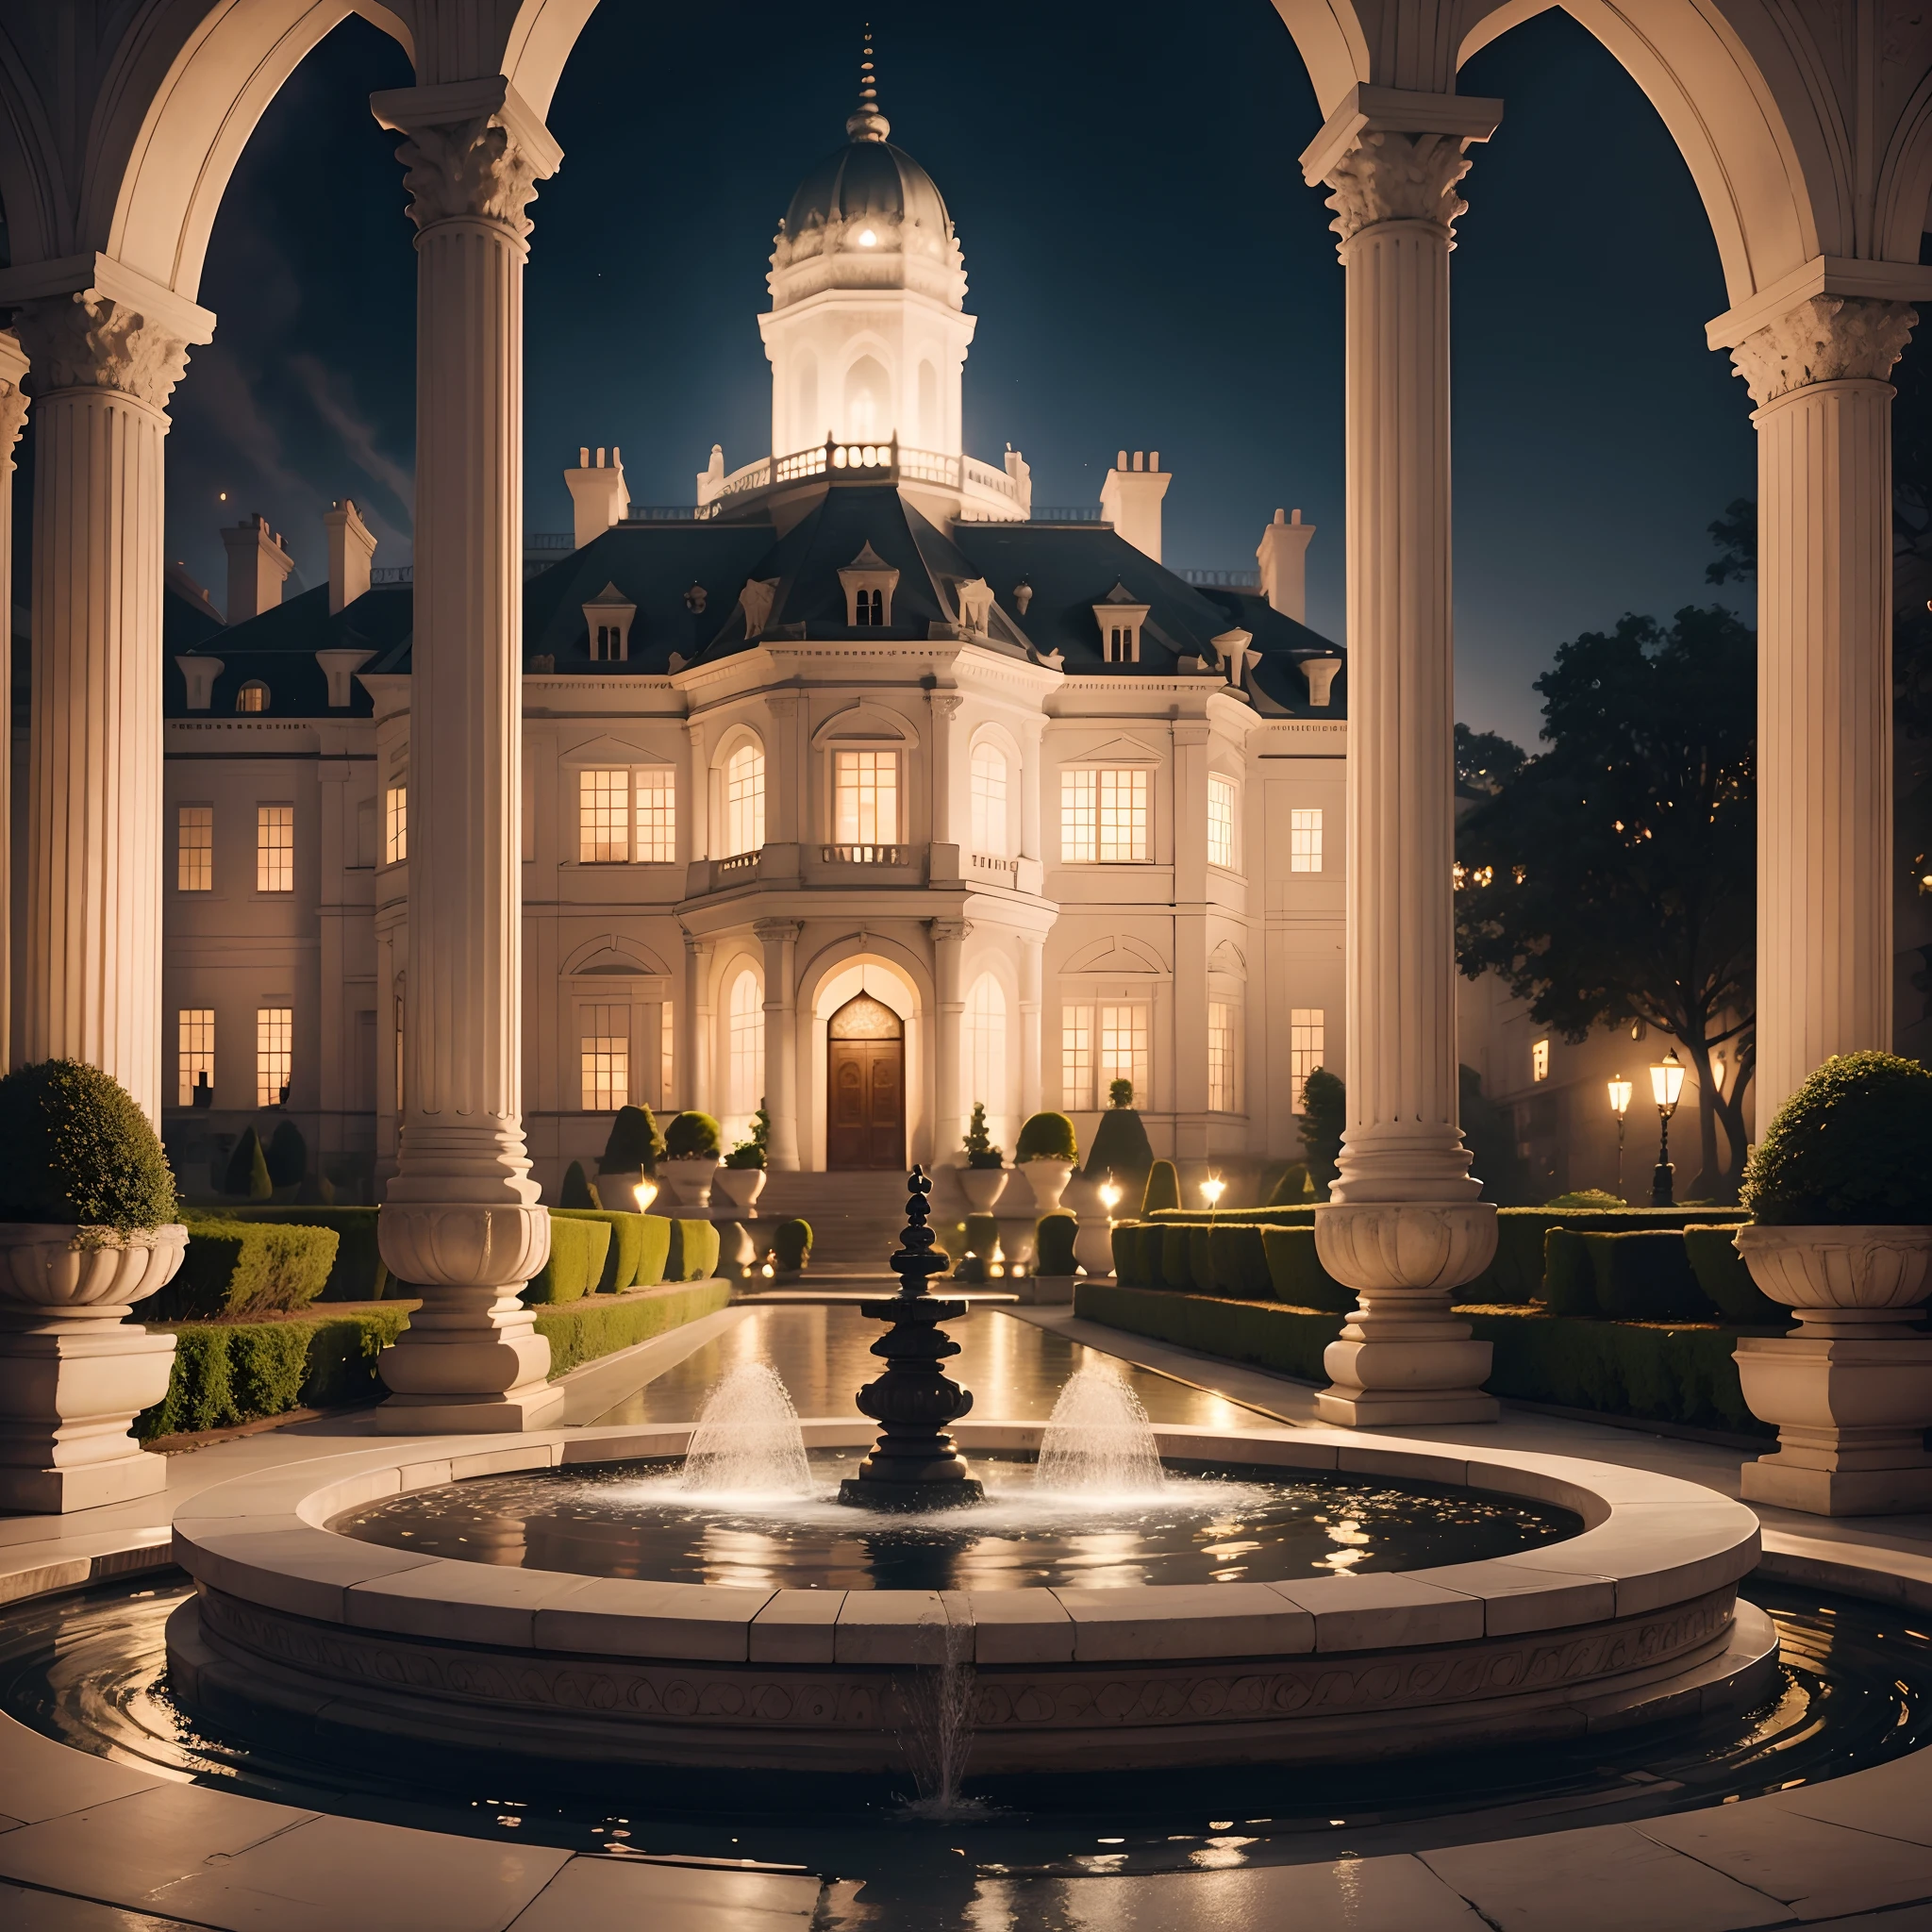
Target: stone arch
[(615, 955), (893, 973), (1116, 954), (866, 721)]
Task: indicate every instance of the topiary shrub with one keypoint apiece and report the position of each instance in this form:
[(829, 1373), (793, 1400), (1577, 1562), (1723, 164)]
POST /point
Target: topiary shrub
[(691, 1136), (358, 1274), (1240, 1260), (1177, 1258), (1721, 1273), (246, 1267), (625, 1255), (247, 1173), (752, 1153), (980, 1152), (1054, 1252), (1324, 1114), (287, 1158), (1120, 1146), (75, 1147), (1297, 1276), (1646, 1276), (578, 1249), (1584, 1197), (1293, 1189), (1853, 1144), (577, 1190), (635, 1142), (1569, 1274), (1047, 1137), (694, 1247), (1163, 1188), (791, 1245)]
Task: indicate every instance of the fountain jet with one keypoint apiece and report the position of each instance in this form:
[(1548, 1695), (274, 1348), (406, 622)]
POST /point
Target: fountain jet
[(747, 1442), (1099, 1439)]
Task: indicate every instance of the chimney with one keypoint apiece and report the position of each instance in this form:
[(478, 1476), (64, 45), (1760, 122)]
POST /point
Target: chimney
[(596, 490), (350, 547), (257, 567), (1131, 499), (1283, 555)]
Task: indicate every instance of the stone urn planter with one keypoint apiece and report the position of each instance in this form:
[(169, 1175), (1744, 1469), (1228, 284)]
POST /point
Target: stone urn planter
[(1093, 1244), (740, 1188), (1047, 1177), (688, 1182), (982, 1186)]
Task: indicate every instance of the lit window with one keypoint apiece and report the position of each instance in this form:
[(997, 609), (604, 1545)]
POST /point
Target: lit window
[(667, 1051), (274, 848), (745, 1021), (1104, 817), (195, 870), (1305, 838), (195, 1035), (395, 837), (1077, 1056), (744, 801), (1539, 1059), (984, 1044), (1122, 1032), (990, 800), (654, 815), (1308, 1032), (1221, 822), (275, 1052), (866, 797), (605, 1058), (603, 818), (1220, 1057), (253, 697)]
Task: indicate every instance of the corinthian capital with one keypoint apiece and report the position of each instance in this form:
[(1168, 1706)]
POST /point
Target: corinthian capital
[(90, 339), (1825, 339), (1388, 177), (472, 148), (12, 397)]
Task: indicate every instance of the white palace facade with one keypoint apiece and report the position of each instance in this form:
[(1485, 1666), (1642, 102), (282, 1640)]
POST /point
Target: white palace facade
[(861, 786)]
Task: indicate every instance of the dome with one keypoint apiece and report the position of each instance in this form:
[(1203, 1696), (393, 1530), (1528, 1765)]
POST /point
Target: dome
[(868, 180)]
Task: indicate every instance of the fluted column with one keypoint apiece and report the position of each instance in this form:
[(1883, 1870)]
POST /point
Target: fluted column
[(1032, 947), (1824, 803), (1404, 1226), (103, 367), (949, 1126), (463, 1219), (13, 420), (779, 938)]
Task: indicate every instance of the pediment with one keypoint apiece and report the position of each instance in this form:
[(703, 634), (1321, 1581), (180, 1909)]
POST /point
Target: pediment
[(611, 751), (1118, 750), (1115, 954)]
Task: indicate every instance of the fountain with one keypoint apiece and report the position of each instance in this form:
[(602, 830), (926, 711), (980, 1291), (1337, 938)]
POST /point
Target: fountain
[(747, 1442), (1099, 1441)]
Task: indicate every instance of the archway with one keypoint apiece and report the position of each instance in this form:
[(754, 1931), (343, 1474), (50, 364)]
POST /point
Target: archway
[(865, 1086)]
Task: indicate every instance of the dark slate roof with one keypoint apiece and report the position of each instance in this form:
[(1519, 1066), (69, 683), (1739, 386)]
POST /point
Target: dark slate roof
[(866, 178), (279, 647)]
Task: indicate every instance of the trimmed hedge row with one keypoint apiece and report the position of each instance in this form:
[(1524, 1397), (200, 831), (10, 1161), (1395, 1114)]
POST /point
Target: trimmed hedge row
[(1273, 1336), (575, 1264), (358, 1275), (236, 1267), (606, 1251), (1255, 1262), (639, 1246), (581, 1334)]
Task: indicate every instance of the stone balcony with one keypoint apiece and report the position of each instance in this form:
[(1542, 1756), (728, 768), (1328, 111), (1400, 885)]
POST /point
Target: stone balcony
[(863, 868)]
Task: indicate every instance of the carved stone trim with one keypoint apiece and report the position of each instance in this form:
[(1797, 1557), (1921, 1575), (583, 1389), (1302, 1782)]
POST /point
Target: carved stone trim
[(1398, 177), (1825, 339), (469, 168), (87, 340)]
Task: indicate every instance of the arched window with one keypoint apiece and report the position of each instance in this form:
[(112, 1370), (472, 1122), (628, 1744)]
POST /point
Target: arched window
[(869, 608), (868, 401), (745, 800), (983, 1045), (253, 697), (990, 800), (744, 1086)]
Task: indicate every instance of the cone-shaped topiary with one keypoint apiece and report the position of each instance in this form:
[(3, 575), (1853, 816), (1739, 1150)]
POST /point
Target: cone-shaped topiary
[(1163, 1187), (247, 1169), (691, 1136), (1053, 1243), (1119, 1147), (1047, 1137), (1292, 1190), (1853, 1144), (1324, 1114), (634, 1142), (75, 1147), (577, 1190), (288, 1156)]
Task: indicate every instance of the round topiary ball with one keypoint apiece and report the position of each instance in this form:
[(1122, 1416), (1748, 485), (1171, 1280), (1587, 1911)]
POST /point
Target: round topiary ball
[(75, 1147), (1047, 1137), (691, 1136), (1852, 1145)]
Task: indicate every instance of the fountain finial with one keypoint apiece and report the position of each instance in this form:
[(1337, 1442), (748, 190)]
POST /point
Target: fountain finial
[(915, 1463)]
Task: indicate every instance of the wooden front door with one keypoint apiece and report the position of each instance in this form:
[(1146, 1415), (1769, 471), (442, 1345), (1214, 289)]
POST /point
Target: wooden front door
[(865, 1087)]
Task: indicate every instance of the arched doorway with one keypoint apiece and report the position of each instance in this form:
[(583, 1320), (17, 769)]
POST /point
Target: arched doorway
[(865, 1086)]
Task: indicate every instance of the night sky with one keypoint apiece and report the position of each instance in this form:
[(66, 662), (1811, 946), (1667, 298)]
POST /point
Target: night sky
[(1146, 264)]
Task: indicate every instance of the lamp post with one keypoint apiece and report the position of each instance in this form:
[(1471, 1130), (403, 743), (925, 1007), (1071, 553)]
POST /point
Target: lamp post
[(1620, 1090), (1666, 1083), (1212, 1190)]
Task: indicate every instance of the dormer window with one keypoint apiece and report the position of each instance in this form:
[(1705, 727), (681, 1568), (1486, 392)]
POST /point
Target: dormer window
[(869, 582), (607, 619), (1120, 619), (253, 697)]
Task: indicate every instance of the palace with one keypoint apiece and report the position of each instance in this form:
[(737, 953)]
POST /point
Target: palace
[(861, 786)]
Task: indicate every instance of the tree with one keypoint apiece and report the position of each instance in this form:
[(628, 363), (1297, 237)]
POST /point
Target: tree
[(1325, 1114), (1735, 534), (1485, 762), (1613, 878)]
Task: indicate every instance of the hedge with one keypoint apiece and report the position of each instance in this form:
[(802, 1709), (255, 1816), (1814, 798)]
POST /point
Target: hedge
[(582, 1333), (1726, 1282), (247, 1268), (578, 1249), (358, 1274), (639, 1246), (693, 1251), (1267, 1333), (1296, 1274)]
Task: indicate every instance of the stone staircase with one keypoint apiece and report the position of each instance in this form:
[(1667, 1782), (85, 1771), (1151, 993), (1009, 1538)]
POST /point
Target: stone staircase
[(855, 1218)]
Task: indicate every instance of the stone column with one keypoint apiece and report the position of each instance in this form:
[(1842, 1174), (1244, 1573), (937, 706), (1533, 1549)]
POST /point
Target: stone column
[(698, 1033), (779, 938), (12, 419), (1032, 947), (1404, 1226), (463, 1219), (949, 1122), (104, 360), (1187, 1081), (1825, 803)]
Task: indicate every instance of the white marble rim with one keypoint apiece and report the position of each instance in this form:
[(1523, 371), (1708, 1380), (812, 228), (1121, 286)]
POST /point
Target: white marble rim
[(1649, 1541)]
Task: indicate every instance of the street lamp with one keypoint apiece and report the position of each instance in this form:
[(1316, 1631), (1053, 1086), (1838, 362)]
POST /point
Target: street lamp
[(1666, 1083), (1620, 1090), (1211, 1190)]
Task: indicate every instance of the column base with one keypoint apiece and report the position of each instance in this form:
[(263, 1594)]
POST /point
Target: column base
[(1786, 1485), (1352, 1407), (469, 1415), (56, 1492)]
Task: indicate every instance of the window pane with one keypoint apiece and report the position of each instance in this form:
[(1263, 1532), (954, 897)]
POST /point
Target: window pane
[(1079, 792), (866, 797), (604, 1056), (603, 818), (395, 840), (195, 865), (983, 1045), (274, 848), (275, 1039), (657, 817), (1123, 812), (1307, 1044), (746, 1024), (195, 1035), (989, 801), (1305, 838), (1220, 1057), (744, 801), (1122, 1048), (1076, 1057), (1221, 822)]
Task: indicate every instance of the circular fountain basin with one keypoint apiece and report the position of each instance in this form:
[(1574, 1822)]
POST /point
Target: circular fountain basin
[(1634, 1619)]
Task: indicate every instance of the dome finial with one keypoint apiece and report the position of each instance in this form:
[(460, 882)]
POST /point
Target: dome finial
[(865, 122)]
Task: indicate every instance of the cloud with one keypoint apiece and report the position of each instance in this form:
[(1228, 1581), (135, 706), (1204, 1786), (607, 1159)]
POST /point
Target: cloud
[(330, 393)]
